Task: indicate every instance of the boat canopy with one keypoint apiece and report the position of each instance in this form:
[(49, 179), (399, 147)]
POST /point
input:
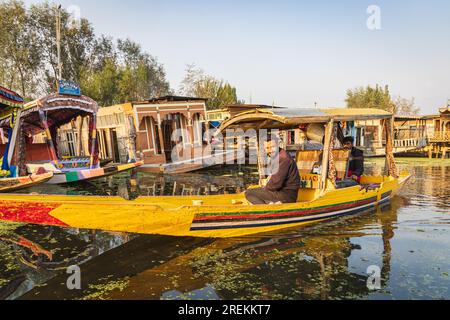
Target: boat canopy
[(57, 109), (291, 118), (9, 99)]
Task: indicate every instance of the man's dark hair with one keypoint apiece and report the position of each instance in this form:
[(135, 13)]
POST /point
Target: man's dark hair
[(349, 139)]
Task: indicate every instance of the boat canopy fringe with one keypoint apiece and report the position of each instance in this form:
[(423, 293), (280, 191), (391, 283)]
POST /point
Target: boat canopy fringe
[(331, 163), (9, 99)]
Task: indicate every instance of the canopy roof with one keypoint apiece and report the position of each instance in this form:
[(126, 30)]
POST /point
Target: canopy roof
[(445, 110), (58, 109), (292, 118), (9, 99)]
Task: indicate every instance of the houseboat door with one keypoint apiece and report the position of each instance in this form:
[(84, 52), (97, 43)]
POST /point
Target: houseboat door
[(167, 127), (115, 146)]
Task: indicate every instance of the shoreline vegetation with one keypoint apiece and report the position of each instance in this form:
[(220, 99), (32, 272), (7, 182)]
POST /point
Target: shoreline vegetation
[(114, 71), (110, 71)]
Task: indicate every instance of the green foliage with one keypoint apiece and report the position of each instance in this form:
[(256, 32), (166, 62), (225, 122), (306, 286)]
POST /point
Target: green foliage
[(378, 98), (19, 54), (197, 84), (108, 72)]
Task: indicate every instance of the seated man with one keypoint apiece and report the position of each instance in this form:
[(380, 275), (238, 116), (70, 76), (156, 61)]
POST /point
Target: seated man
[(356, 167), (284, 183)]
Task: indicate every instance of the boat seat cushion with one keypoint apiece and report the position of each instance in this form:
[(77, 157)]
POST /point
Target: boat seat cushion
[(306, 160), (48, 167)]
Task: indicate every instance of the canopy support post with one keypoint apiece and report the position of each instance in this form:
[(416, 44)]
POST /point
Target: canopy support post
[(391, 167), (80, 122), (260, 160), (94, 153), (327, 150), (48, 136), (12, 139)]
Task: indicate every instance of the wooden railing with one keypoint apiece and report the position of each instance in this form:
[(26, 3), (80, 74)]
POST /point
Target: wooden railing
[(411, 143), (440, 137)]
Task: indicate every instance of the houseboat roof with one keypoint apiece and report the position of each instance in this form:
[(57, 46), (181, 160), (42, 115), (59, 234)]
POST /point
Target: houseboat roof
[(445, 110), (119, 108), (9, 99), (170, 99), (423, 117), (289, 118)]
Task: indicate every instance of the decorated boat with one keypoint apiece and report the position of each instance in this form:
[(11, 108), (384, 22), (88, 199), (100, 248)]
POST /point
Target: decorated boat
[(14, 184), (47, 115), (322, 196), (11, 105)]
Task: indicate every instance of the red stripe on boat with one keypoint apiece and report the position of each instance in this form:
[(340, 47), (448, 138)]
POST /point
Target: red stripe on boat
[(284, 214), (29, 212)]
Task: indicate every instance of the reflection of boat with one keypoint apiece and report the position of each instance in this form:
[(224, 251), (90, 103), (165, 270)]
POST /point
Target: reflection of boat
[(188, 184), (308, 264), (230, 215), (47, 115), (10, 106)]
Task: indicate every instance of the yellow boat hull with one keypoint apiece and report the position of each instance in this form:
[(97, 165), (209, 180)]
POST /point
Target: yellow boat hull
[(198, 216)]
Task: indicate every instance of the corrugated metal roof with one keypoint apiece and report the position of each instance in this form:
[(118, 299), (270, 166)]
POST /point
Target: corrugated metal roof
[(169, 99), (293, 117)]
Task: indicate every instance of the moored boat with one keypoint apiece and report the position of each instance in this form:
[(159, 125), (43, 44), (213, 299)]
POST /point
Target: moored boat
[(46, 115), (14, 184), (320, 198), (11, 105)]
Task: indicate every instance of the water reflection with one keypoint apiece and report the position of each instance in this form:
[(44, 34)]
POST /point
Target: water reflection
[(31, 255), (309, 263)]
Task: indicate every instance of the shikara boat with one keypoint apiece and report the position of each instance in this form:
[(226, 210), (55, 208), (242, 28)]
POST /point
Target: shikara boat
[(321, 198), (14, 184), (10, 105), (46, 115)]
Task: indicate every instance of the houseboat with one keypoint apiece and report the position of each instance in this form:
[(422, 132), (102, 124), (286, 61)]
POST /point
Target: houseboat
[(440, 139), (47, 115)]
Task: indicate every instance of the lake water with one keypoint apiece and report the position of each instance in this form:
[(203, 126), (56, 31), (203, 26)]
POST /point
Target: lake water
[(407, 244)]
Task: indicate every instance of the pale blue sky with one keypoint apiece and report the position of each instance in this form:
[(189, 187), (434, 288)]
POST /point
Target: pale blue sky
[(293, 53)]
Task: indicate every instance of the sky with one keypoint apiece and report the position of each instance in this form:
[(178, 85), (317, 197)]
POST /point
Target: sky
[(291, 53)]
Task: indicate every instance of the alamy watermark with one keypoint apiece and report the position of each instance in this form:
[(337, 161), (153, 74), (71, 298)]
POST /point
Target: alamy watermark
[(374, 279), (228, 147), (74, 280), (374, 20), (74, 12)]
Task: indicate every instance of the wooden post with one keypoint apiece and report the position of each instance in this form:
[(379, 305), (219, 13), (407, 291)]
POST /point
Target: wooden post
[(13, 137), (326, 155), (161, 138), (391, 168), (260, 162), (94, 152), (80, 122), (48, 136)]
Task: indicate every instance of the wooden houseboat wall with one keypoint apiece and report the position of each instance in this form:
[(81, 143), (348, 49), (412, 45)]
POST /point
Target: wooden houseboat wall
[(439, 143), (157, 121), (117, 133)]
